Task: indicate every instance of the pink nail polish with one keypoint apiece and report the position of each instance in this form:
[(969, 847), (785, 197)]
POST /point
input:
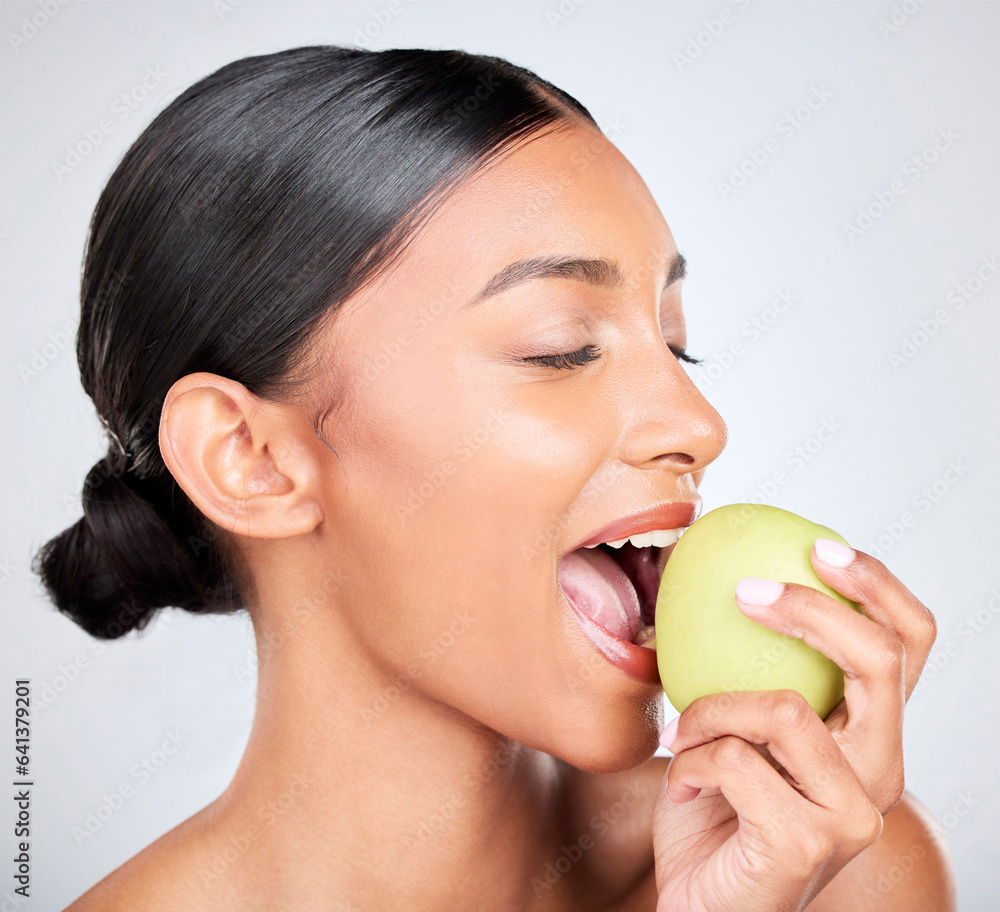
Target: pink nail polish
[(670, 733), (759, 592), (833, 552)]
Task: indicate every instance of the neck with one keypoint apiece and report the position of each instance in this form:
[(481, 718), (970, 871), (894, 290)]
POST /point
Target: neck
[(354, 787)]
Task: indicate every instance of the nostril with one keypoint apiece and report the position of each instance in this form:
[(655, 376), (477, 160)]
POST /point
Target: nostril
[(680, 458)]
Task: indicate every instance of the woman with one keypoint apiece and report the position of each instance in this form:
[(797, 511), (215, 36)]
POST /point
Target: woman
[(382, 341)]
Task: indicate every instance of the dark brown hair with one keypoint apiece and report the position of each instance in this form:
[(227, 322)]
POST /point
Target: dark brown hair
[(249, 209)]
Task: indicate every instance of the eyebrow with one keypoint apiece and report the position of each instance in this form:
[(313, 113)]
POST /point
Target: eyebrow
[(600, 272)]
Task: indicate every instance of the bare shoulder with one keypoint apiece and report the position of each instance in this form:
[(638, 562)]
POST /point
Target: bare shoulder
[(906, 869), (125, 887), (130, 886), (163, 877)]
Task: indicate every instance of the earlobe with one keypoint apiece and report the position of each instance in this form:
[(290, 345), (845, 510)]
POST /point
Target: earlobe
[(238, 457)]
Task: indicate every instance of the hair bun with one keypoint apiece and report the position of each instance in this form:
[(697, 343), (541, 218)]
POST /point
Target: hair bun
[(121, 561)]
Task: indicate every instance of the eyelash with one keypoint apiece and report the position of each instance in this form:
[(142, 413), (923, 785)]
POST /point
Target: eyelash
[(591, 353)]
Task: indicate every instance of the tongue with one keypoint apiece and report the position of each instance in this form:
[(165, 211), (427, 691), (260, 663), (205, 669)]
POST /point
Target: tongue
[(600, 589)]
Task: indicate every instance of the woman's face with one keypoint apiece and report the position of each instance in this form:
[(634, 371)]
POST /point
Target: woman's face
[(467, 472)]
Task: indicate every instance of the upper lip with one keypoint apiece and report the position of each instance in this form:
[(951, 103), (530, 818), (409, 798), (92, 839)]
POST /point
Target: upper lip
[(677, 515)]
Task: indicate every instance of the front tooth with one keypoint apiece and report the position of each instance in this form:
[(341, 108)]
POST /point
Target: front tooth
[(658, 538), (646, 637)]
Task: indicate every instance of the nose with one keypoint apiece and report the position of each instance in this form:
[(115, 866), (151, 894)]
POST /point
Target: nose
[(669, 423)]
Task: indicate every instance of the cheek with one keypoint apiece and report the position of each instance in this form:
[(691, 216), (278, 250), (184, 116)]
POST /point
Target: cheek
[(424, 495), (456, 516), (455, 497), (458, 598)]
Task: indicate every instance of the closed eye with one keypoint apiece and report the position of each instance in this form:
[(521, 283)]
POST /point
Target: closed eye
[(588, 353), (569, 359), (682, 355)]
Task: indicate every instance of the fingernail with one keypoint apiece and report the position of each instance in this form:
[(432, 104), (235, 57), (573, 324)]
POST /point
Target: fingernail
[(762, 592), (833, 552), (670, 733)]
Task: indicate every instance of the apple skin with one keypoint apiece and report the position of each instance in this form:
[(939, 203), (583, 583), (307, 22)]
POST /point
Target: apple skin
[(705, 644)]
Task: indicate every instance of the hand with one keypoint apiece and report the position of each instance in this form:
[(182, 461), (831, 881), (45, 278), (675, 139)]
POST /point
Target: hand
[(763, 802)]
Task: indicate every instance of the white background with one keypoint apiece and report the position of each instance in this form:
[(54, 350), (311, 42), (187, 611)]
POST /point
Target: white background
[(893, 81)]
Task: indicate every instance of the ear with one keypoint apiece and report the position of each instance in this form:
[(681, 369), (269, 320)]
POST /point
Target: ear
[(242, 460)]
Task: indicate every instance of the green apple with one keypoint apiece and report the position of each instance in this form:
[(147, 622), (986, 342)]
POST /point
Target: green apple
[(705, 644)]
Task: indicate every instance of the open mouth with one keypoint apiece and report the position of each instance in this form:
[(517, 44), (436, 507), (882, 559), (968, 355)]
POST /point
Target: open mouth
[(616, 589), (643, 568), (636, 610)]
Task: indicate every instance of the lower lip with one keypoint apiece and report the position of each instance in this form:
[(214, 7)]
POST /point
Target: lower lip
[(636, 661)]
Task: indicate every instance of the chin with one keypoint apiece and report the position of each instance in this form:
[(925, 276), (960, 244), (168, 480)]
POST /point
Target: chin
[(611, 741)]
